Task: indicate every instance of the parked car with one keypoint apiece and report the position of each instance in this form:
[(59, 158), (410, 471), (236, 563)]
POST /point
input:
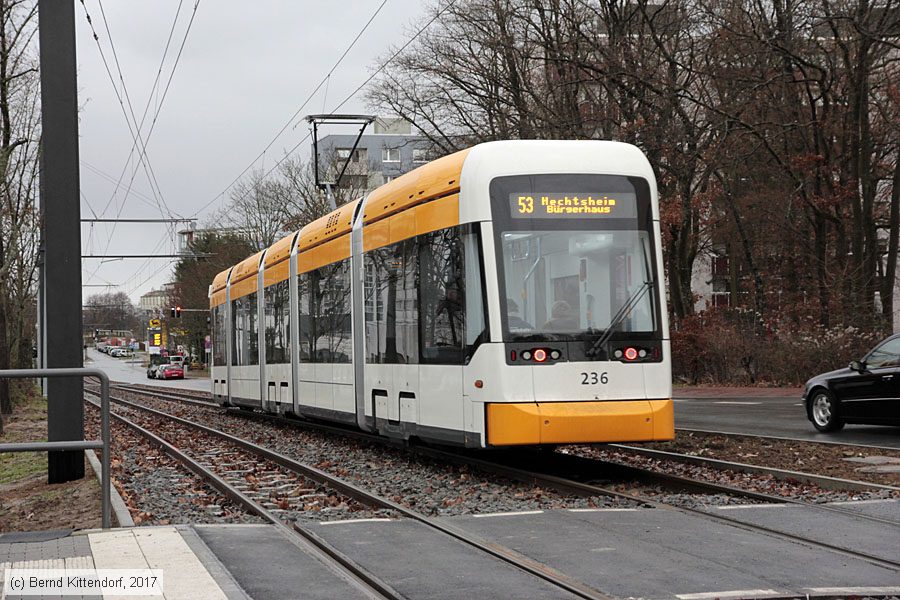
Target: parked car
[(153, 369), (866, 392), (170, 371)]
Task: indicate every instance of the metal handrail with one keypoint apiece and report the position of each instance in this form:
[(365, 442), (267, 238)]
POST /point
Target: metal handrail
[(102, 444)]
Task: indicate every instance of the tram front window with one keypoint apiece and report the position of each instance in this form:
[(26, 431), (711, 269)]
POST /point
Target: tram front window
[(566, 284)]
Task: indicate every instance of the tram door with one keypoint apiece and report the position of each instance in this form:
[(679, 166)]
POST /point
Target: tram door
[(391, 330)]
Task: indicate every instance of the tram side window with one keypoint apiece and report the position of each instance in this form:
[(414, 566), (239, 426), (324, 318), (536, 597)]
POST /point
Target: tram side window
[(407, 303), (392, 298), (452, 298), (237, 331), (277, 328), (252, 329), (380, 291), (328, 337), (244, 322), (218, 335), (307, 348)]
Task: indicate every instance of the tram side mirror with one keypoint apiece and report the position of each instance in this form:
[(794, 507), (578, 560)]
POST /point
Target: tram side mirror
[(858, 366)]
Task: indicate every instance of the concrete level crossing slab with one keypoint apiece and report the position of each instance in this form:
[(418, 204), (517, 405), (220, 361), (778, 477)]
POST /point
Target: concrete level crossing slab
[(884, 509), (839, 529), (269, 565), (420, 562), (656, 553)]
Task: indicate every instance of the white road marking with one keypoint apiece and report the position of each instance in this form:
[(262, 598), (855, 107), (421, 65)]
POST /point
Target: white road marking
[(880, 501), (601, 510), (855, 591), (735, 402), (509, 514), (770, 505), (729, 594), (355, 521)]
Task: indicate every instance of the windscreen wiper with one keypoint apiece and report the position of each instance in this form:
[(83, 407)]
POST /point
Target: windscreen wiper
[(617, 319)]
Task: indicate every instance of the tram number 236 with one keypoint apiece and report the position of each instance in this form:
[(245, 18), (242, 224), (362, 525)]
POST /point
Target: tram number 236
[(593, 378)]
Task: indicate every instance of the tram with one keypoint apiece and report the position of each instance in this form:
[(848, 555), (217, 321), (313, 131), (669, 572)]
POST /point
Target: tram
[(507, 294)]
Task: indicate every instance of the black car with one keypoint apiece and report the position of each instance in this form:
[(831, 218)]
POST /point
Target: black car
[(866, 392)]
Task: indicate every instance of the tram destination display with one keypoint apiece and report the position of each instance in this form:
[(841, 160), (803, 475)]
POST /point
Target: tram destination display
[(572, 205)]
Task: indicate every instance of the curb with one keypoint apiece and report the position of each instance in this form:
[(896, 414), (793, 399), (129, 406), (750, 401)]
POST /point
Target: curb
[(120, 511)]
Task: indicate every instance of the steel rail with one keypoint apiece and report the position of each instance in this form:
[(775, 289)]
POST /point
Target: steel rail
[(571, 485), (786, 438), (507, 555), (823, 481), (167, 395), (311, 542), (667, 478), (676, 480)]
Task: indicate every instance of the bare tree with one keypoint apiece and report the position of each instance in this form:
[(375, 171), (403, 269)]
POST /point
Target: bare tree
[(19, 223), (255, 211), (111, 311)]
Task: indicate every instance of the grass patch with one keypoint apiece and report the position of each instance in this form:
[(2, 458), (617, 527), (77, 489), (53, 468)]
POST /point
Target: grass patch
[(28, 423), (18, 466)]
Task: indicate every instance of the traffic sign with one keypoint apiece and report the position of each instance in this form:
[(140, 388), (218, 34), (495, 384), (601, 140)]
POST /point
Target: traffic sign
[(154, 322)]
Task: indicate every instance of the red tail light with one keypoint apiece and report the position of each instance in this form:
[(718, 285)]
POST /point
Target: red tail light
[(540, 355), (631, 353)]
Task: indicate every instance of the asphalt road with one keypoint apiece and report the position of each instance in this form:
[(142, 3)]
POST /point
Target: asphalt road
[(130, 370), (773, 416)]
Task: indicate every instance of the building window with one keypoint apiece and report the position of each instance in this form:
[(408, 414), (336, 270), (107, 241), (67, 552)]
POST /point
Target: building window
[(358, 156), (420, 155), (391, 155)]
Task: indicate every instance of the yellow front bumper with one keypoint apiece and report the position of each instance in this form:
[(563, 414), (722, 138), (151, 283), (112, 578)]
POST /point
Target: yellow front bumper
[(579, 422)]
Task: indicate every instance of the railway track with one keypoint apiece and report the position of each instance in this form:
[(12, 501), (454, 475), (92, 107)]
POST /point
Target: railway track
[(822, 481), (521, 562), (544, 468), (305, 538), (786, 439)]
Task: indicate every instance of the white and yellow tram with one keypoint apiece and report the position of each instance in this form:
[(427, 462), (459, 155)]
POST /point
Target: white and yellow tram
[(507, 294)]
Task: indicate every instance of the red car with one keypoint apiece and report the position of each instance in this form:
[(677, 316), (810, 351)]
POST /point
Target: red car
[(170, 372)]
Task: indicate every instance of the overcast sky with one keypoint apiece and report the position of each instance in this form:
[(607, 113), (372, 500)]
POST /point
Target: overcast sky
[(245, 69)]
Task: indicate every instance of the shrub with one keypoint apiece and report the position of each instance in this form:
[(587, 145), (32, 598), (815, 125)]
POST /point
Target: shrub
[(738, 348)]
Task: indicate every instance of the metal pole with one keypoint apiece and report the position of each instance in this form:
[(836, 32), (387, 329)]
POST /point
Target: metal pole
[(60, 204), (316, 154), (104, 437)]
